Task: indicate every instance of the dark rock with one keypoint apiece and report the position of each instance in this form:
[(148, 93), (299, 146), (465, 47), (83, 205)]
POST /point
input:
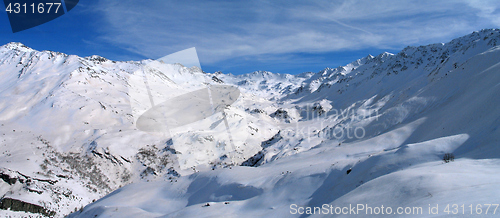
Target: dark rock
[(7, 179), (17, 205)]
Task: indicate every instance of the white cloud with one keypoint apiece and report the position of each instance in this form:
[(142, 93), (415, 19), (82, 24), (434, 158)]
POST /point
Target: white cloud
[(487, 9), (226, 29)]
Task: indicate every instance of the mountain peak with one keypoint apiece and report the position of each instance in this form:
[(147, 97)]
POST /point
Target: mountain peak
[(17, 46)]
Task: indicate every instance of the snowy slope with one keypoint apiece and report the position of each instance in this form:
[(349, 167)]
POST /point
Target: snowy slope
[(69, 134), (372, 132), (387, 91)]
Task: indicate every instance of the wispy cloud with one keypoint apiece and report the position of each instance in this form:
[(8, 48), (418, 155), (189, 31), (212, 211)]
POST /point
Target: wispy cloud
[(222, 30)]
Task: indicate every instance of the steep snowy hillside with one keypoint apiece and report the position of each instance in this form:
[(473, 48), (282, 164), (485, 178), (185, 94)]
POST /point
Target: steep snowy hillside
[(371, 134), (374, 95), (69, 135)]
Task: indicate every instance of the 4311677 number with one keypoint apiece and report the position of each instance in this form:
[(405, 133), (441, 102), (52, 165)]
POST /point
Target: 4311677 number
[(33, 8)]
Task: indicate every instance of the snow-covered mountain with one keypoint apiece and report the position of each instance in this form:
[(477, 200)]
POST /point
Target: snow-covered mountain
[(373, 132), (69, 135)]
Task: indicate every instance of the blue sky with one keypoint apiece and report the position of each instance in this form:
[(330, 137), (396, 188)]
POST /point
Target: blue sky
[(244, 36)]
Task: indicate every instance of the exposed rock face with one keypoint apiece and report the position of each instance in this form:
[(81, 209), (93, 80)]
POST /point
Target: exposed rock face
[(17, 205)]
